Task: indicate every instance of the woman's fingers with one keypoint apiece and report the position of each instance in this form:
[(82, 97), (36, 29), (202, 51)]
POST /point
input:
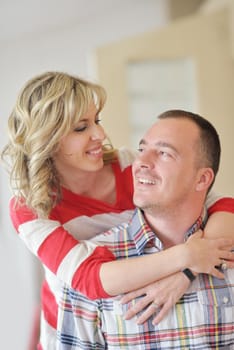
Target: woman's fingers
[(135, 309), (151, 310), (217, 273), (132, 295), (162, 312), (230, 264), (205, 254), (227, 255)]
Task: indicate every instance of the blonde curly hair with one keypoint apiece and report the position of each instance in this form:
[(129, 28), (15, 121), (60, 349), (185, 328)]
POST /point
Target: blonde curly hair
[(46, 109)]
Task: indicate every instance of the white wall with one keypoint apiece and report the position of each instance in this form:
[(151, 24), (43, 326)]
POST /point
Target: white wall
[(69, 49)]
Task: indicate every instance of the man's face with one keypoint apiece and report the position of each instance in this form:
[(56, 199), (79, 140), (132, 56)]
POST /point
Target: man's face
[(165, 171)]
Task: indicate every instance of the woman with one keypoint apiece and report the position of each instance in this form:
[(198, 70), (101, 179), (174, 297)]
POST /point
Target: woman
[(68, 188)]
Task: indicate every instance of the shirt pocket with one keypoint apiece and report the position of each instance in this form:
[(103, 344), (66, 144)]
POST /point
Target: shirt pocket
[(216, 292)]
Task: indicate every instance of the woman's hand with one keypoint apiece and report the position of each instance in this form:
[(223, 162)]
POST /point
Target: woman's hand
[(157, 298), (204, 255)]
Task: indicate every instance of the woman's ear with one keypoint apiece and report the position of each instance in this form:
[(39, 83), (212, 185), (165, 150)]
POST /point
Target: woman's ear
[(205, 178)]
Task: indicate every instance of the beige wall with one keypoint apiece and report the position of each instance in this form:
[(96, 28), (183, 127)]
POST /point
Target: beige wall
[(205, 38)]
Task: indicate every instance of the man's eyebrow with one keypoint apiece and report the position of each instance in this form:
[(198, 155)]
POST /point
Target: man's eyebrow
[(166, 144), (142, 142), (160, 144)]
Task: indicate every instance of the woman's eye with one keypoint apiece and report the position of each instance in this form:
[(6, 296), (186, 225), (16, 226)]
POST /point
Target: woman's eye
[(98, 121), (80, 128), (84, 127), (140, 150)]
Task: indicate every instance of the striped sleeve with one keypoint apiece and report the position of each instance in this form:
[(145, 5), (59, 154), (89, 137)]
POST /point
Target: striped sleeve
[(216, 203), (72, 261)]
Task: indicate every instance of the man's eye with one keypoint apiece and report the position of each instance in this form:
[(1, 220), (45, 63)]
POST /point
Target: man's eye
[(140, 150), (165, 154)]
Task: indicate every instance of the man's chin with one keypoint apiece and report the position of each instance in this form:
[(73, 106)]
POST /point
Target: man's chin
[(139, 203), (146, 205)]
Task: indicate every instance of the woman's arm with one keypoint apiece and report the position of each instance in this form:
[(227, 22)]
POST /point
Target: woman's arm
[(169, 290), (221, 216), (197, 254), (220, 224), (72, 261)]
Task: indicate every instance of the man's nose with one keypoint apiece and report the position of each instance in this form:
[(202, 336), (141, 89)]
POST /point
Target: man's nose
[(146, 160)]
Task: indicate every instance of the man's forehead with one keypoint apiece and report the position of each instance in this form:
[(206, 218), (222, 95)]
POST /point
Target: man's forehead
[(171, 131), (170, 125)]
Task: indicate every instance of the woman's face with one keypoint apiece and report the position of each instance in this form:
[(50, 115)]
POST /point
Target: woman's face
[(81, 149)]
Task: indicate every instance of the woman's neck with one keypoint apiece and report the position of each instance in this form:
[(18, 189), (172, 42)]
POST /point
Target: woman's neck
[(99, 184)]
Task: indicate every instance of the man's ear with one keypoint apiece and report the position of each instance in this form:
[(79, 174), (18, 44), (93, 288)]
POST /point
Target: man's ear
[(205, 178)]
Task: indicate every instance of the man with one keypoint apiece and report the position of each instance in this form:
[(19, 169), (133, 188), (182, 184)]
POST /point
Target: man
[(177, 164)]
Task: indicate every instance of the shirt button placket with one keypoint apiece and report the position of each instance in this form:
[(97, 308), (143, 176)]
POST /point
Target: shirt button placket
[(225, 300)]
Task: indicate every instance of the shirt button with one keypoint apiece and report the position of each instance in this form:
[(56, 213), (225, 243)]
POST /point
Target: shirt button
[(225, 300)]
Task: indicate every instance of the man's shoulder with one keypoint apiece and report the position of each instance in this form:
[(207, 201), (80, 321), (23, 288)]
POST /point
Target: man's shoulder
[(112, 234), (115, 238)]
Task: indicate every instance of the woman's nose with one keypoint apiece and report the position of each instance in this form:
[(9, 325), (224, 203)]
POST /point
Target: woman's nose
[(98, 133)]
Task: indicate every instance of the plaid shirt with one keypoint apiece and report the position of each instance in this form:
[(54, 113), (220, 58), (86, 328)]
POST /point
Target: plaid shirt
[(202, 319)]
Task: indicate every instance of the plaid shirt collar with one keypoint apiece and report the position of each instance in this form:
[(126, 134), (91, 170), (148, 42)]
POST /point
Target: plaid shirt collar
[(143, 236)]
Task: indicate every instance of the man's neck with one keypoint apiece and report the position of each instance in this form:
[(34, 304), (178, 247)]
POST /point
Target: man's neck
[(172, 228)]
